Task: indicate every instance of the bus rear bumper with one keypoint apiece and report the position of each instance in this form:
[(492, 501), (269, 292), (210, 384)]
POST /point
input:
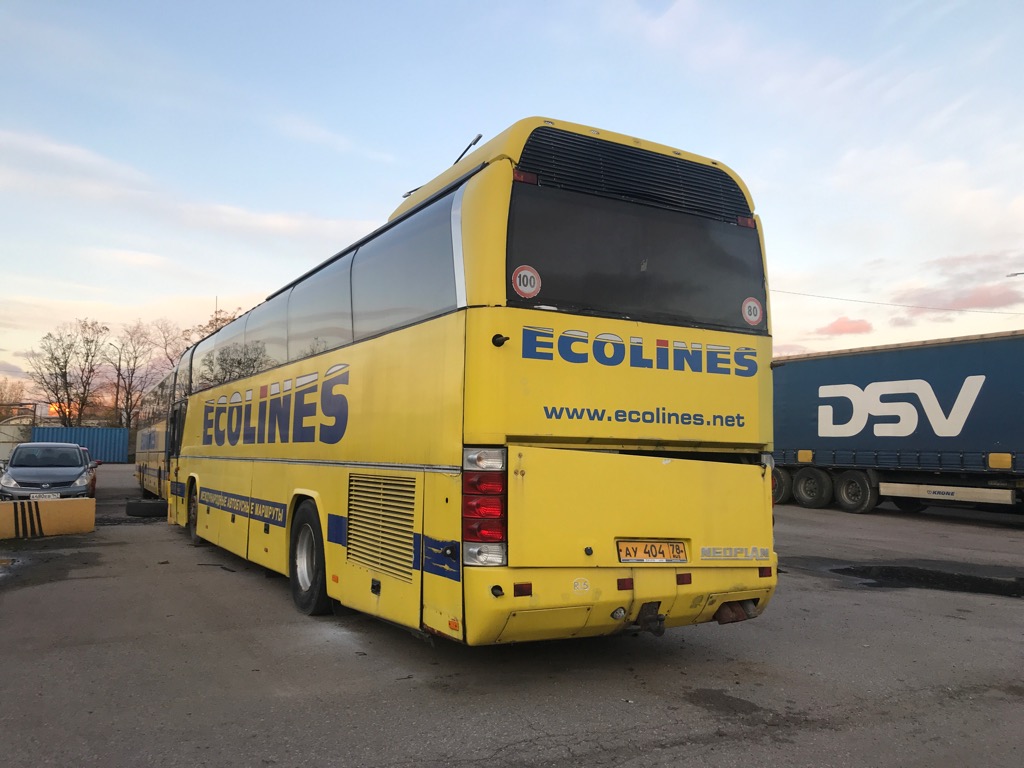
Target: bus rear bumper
[(518, 605)]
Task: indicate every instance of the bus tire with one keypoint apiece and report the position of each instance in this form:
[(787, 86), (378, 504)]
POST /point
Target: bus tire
[(854, 492), (812, 488), (307, 572), (193, 517), (782, 486)]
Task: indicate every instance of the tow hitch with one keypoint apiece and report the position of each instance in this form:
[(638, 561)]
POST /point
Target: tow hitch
[(649, 620)]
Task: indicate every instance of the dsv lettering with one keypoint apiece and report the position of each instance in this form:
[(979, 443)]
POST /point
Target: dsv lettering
[(868, 402)]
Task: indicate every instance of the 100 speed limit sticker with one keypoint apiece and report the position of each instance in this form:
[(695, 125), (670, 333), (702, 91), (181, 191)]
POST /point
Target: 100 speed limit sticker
[(526, 281)]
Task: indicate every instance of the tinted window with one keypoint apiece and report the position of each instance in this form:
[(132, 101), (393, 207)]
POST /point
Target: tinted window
[(204, 367), (406, 274), (156, 402), (183, 375), (320, 310), (265, 338), (231, 358), (47, 456), (596, 255)]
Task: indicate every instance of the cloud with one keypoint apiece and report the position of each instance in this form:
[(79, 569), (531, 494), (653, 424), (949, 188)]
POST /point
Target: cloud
[(37, 165), (237, 220), (300, 128), (845, 326), (788, 350), (969, 281), (941, 299), (126, 258)]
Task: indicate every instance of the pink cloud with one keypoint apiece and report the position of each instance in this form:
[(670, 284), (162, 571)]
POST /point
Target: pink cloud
[(845, 326), (985, 296)]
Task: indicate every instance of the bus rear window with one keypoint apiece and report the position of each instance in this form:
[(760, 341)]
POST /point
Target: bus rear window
[(597, 255)]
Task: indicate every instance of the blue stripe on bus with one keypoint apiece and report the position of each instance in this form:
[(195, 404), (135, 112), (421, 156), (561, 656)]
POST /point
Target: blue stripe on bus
[(337, 530), (442, 558), (178, 489)]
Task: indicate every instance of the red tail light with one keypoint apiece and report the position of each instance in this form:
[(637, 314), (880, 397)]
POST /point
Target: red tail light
[(483, 506), (490, 531), (484, 516), (483, 482)]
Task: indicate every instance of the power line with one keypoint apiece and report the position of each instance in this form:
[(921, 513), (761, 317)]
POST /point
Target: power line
[(903, 306)]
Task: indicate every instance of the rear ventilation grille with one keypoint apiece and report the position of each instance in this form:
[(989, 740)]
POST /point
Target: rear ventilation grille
[(381, 522), (597, 167)]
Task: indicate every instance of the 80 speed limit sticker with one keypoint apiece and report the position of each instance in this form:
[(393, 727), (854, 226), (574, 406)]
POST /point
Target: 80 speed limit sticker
[(753, 312)]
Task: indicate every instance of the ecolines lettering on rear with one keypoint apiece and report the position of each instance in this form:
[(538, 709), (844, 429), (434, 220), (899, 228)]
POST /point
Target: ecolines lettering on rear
[(610, 349), (291, 411)]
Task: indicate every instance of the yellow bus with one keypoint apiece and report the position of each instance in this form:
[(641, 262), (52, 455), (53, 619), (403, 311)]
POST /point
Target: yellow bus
[(535, 404), (151, 438)]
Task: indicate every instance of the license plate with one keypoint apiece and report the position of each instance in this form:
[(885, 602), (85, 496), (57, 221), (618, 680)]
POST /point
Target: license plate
[(44, 495), (651, 551)]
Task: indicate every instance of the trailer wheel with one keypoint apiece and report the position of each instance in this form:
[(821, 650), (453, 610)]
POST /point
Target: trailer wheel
[(812, 488), (907, 504), (307, 571), (854, 492), (782, 486)]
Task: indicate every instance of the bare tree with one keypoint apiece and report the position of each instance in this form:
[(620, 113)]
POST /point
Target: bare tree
[(170, 342), (12, 395), (67, 367), (218, 320), (131, 357)]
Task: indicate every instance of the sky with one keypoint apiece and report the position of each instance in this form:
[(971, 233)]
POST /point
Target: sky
[(164, 160)]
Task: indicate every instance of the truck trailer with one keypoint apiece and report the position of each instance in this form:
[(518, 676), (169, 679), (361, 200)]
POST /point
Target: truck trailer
[(923, 423)]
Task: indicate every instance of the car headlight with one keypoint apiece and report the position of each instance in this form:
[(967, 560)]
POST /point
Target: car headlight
[(8, 482), (83, 479)]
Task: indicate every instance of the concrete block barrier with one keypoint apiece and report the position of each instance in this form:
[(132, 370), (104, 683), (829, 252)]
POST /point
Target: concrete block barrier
[(50, 517)]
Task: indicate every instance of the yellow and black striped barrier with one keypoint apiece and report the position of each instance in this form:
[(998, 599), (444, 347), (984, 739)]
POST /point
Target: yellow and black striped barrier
[(50, 517)]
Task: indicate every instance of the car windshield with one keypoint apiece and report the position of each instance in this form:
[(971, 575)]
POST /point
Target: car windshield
[(50, 456)]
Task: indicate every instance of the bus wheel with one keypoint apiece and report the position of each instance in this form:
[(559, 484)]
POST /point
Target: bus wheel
[(855, 494), (193, 517), (782, 486), (812, 488), (307, 572)]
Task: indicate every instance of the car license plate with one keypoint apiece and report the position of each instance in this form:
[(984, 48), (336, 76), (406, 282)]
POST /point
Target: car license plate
[(44, 495), (652, 551)]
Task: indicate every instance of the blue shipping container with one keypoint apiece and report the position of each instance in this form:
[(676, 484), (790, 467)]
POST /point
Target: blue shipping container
[(107, 444)]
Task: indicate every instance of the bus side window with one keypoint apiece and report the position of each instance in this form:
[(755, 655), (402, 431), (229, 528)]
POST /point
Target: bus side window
[(320, 310), (420, 250)]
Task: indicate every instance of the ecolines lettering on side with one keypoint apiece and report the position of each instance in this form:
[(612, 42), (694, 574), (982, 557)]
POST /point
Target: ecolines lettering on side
[(868, 402), (300, 411), (611, 350)]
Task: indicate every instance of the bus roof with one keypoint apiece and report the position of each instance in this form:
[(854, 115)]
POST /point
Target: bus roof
[(509, 145)]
